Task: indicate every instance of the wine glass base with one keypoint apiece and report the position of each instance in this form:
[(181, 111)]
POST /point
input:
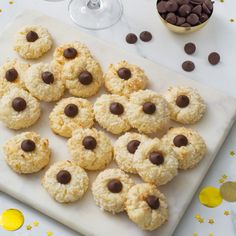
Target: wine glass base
[(108, 14)]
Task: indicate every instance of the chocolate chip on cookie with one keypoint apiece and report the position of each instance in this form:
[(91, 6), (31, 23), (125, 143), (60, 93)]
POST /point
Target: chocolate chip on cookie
[(89, 142), (70, 53), (71, 110), (124, 73), (85, 78), (116, 108), (114, 186), (11, 75), (182, 101), (32, 36), (19, 104), (63, 177), (132, 146), (156, 158), (28, 145), (153, 202), (47, 77), (180, 140), (149, 107)]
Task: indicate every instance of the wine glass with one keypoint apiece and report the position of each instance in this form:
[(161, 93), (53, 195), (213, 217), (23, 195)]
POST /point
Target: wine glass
[(95, 14)]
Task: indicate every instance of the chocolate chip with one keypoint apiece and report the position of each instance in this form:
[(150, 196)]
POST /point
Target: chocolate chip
[(204, 17), (182, 101), (209, 4), (71, 110), (205, 9), (11, 75), (47, 77), (197, 10), (85, 78), (132, 146), (189, 48), (145, 36), (188, 66), (171, 18), (171, 6), (28, 145), (116, 108), (186, 25), (192, 19), (156, 158), (114, 186), (184, 10), (131, 38), (180, 140), (180, 20), (161, 7), (153, 202), (19, 104), (196, 2), (63, 177), (89, 142), (70, 53), (124, 73), (149, 107), (214, 58), (182, 2), (31, 36)]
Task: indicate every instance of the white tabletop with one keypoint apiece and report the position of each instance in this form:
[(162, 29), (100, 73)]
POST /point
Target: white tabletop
[(166, 48)]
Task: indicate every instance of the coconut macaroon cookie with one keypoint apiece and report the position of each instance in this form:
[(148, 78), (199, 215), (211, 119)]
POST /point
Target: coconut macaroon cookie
[(90, 149), (69, 52), (69, 114), (188, 145), (111, 113), (186, 105), (148, 111), (12, 73), (44, 82), (110, 190), (155, 162), (83, 77), (65, 182), (27, 153), (125, 148), (146, 206), (124, 78), (19, 109), (32, 42)]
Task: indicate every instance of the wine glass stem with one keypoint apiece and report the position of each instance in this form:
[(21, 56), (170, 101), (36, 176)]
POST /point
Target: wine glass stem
[(94, 4)]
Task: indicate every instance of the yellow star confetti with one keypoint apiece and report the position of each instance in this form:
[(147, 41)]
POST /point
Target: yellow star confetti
[(221, 181), (49, 233), (195, 234), (226, 213), (28, 227), (11, 2), (221, 1), (36, 223), (232, 153), (224, 176), (231, 20), (201, 220), (211, 221), (211, 234), (197, 217)]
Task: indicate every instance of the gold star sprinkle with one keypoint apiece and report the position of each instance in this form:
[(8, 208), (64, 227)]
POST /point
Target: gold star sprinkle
[(28, 227), (36, 223), (221, 1), (224, 177), (49, 233), (211, 221), (226, 213), (231, 20), (197, 217), (11, 2), (201, 220), (232, 153)]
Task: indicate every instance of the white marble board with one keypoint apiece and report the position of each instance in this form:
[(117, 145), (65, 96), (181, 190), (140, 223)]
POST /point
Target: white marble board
[(84, 216)]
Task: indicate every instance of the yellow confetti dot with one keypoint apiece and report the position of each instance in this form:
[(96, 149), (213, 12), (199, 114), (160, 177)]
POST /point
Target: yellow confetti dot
[(198, 217), (201, 220), (211, 221), (11, 2), (231, 20), (210, 197), (49, 233), (28, 227), (35, 223), (226, 213), (232, 153)]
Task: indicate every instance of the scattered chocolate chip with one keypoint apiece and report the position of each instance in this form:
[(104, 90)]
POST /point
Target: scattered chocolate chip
[(182, 101), (156, 158), (171, 18), (63, 177), (85, 78), (161, 7), (149, 107), (204, 17), (11, 75), (131, 38), (180, 140), (71, 110), (47, 77), (116, 108), (171, 6), (132, 146), (28, 145), (188, 66), (145, 36), (153, 202), (70, 53), (180, 20), (124, 73), (114, 186), (19, 104), (214, 58), (89, 142), (197, 10), (192, 19), (196, 2), (31, 36), (184, 10), (182, 2), (189, 48)]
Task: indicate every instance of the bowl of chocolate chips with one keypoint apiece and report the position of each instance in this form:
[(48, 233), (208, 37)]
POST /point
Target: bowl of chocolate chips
[(185, 16)]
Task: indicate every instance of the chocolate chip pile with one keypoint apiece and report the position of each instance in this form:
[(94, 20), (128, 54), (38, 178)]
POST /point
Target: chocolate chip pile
[(185, 13)]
